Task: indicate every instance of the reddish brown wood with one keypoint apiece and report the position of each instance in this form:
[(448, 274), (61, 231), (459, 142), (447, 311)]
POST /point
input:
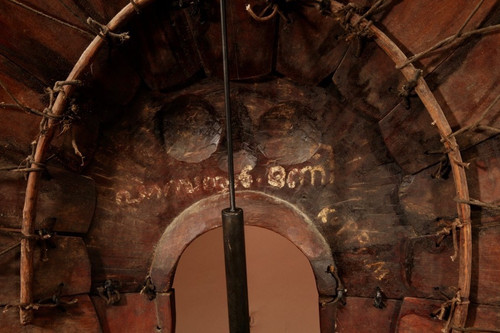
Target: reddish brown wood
[(165, 49), (165, 304), (29, 210), (310, 47), (250, 54), (287, 135), (426, 266), (425, 199), (414, 316), (67, 263), (189, 129), (364, 269), (28, 40), (136, 313), (67, 197), (484, 316), (464, 91), (369, 80), (359, 315), (79, 317), (418, 25), (328, 315), (440, 121), (114, 77), (292, 224), (485, 287)]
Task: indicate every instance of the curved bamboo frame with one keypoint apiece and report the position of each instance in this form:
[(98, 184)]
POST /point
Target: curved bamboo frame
[(452, 149), (384, 42)]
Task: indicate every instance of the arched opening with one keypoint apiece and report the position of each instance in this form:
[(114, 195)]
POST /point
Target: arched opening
[(282, 291), (261, 210)]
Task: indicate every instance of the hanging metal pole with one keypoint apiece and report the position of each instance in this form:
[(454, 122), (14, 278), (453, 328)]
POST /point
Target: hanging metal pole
[(232, 219)]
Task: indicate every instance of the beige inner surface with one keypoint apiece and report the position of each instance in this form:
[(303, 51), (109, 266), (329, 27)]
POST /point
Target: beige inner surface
[(282, 289)]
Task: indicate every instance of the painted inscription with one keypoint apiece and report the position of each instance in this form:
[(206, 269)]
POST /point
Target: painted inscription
[(276, 176)]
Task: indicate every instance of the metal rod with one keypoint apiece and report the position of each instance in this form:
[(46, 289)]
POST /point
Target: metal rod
[(227, 103), (232, 219), (236, 271)]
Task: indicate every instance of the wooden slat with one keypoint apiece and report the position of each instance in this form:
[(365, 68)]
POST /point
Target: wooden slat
[(465, 86), (66, 196), (251, 43), (67, 263), (426, 266), (164, 47), (136, 313), (485, 287), (370, 81), (360, 315), (39, 44), (310, 47), (79, 317), (414, 316), (424, 199)]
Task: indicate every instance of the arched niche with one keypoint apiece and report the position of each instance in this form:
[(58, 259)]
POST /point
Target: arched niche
[(281, 287), (260, 210)]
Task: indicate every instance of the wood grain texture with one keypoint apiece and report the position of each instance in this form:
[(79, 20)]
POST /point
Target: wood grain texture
[(310, 47), (67, 263), (68, 198), (79, 317), (465, 88), (414, 316), (359, 315), (250, 43), (136, 313)]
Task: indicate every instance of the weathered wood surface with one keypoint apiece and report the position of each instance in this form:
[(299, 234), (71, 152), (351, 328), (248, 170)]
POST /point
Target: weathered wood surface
[(294, 227), (287, 134), (38, 44), (335, 187), (136, 313), (115, 80), (78, 317), (426, 267), (425, 199), (164, 48), (189, 129), (360, 315), (310, 47), (250, 43), (465, 85), (485, 286), (370, 80), (68, 262), (64, 196), (18, 128), (414, 316)]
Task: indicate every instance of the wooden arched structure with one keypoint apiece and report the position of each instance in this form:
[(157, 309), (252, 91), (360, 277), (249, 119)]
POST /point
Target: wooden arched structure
[(260, 210), (163, 268)]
